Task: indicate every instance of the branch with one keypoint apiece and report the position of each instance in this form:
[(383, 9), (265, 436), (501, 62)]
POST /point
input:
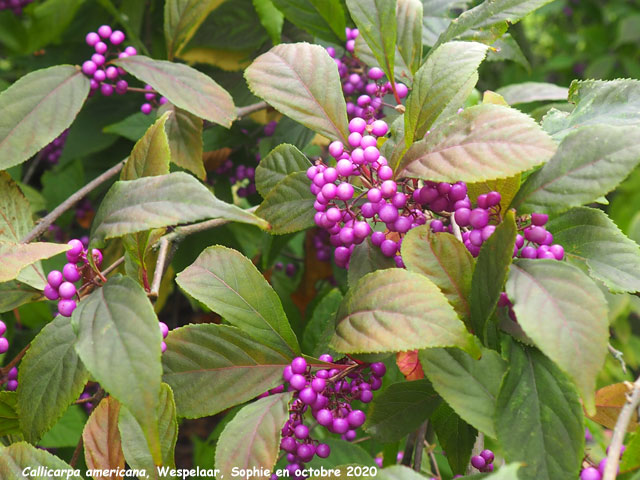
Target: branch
[(618, 355), (613, 457), (44, 223), (420, 436), (456, 228), (160, 265), (249, 109), (5, 371)]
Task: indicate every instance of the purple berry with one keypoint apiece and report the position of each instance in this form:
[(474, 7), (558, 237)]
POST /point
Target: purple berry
[(70, 272), (146, 108), (487, 455), (67, 290), (323, 450), (50, 292), (116, 37), (340, 425), (308, 395), (104, 31), (324, 417), (325, 357), (92, 38), (12, 385), (590, 473), (288, 444), (3, 328), (366, 396), (297, 381), (478, 462), (287, 373), (299, 365), (301, 432), (478, 218), (66, 307), (89, 68), (164, 329), (4, 345), (13, 374), (356, 418), (539, 219)]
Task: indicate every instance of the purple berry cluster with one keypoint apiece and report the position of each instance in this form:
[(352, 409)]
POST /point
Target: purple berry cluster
[(328, 394), (60, 285), (12, 380), (364, 92), (484, 461), (106, 78), (15, 5), (152, 100), (164, 329), (592, 473), (290, 269), (4, 343), (52, 152)]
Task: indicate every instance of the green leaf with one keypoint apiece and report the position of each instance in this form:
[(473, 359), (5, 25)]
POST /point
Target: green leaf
[(455, 435), (321, 18), (184, 132), (134, 445), (401, 70), (630, 461), (590, 237), (400, 409), (153, 202), (376, 21), (119, 343), (9, 419), (181, 20), (281, 161), (48, 21), (481, 143), (409, 32), (271, 18), (37, 109), (51, 377), (589, 163), (565, 314), (539, 417), (16, 256), (444, 260), (532, 92), (490, 273), (437, 84), (214, 367), (320, 326), (302, 82), (489, 13), (252, 439), (17, 457), (185, 87), (508, 187), (14, 294), (230, 285), (132, 128), (367, 258), (396, 310), (469, 386), (613, 103), (289, 205), (150, 155)]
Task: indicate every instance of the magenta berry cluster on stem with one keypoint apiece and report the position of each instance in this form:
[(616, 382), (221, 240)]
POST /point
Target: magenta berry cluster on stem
[(107, 78), (4, 343), (326, 396), (15, 6), (61, 285)]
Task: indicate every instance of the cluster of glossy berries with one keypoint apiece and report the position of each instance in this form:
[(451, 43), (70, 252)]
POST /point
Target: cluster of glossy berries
[(364, 92), (61, 285), (290, 269), (592, 473), (51, 153), (104, 77), (164, 329), (484, 461), (321, 244), (12, 380), (88, 392), (152, 100), (15, 5), (328, 395), (4, 343)]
